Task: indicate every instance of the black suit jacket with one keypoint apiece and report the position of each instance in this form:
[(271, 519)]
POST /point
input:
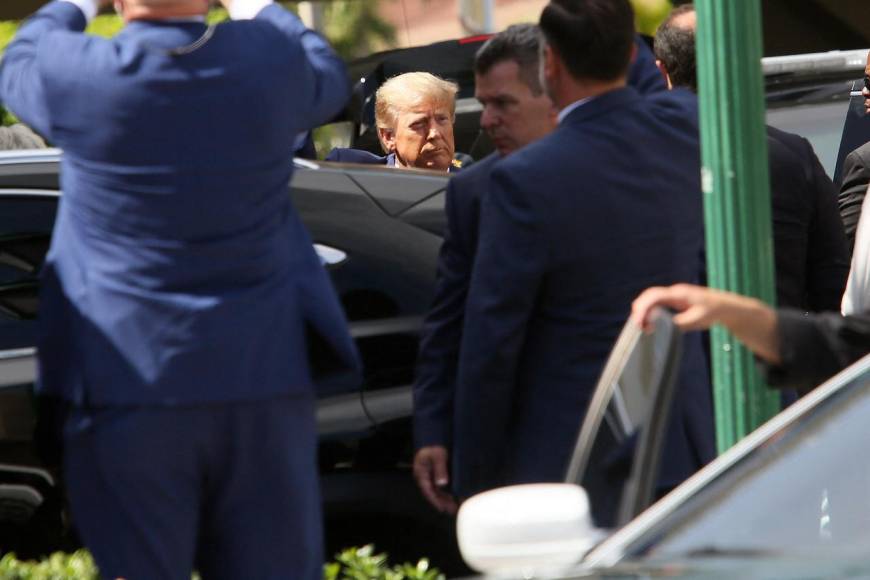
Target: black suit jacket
[(856, 177), (810, 255), (816, 347)]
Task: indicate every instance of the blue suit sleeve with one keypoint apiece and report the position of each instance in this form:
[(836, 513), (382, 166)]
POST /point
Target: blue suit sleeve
[(324, 72), (22, 88), (511, 262), (442, 330)]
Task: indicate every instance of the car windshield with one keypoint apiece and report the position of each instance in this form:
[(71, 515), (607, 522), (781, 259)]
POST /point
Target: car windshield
[(805, 489)]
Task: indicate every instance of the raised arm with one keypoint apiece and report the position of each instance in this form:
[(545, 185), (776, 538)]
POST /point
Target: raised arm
[(324, 71), (21, 83)]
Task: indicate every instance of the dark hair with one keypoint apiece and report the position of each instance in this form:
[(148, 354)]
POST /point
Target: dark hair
[(519, 43), (594, 38), (675, 47)]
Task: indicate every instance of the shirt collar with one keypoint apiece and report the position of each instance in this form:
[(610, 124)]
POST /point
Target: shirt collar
[(571, 108), (185, 19)]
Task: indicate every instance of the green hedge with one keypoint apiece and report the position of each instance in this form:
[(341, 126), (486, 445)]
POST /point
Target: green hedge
[(351, 564)]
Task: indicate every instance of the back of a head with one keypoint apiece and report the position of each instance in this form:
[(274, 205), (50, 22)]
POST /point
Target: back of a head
[(519, 43), (675, 47), (594, 38)]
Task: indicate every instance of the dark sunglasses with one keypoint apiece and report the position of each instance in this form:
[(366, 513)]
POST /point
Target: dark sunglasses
[(867, 82)]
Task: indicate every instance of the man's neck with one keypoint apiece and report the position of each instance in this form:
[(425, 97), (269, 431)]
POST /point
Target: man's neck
[(574, 90), (170, 12)]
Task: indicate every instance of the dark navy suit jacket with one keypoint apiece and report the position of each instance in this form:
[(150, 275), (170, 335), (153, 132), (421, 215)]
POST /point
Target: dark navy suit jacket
[(179, 271), (572, 229), (442, 331)]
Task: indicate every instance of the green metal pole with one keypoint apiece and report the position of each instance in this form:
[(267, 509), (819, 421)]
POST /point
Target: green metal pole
[(736, 198)]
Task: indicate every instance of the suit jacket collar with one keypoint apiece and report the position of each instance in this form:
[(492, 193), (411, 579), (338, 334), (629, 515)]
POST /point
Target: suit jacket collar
[(164, 34), (601, 104)]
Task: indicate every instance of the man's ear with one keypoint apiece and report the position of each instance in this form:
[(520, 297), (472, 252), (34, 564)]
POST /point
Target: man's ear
[(662, 69), (548, 66), (387, 137)]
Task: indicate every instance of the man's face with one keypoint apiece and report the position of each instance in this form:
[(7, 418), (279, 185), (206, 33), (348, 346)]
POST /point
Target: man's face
[(866, 90), (512, 115), (423, 137)]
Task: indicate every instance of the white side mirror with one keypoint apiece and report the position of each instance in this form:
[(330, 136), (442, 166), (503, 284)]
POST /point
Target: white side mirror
[(526, 530)]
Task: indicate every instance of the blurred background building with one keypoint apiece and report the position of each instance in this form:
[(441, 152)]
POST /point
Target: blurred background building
[(359, 27)]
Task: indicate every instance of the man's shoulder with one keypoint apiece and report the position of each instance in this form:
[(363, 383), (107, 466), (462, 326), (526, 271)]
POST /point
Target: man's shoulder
[(475, 172), (860, 156), (348, 155), (546, 154), (792, 141)]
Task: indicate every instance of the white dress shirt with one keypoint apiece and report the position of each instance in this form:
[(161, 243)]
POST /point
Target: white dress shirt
[(857, 296), (240, 10), (570, 108)]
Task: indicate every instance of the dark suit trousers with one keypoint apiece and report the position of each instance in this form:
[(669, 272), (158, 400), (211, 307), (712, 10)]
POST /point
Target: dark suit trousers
[(228, 488)]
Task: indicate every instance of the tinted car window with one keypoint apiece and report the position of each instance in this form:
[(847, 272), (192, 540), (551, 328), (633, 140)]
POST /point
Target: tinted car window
[(25, 229), (806, 488), (820, 123)]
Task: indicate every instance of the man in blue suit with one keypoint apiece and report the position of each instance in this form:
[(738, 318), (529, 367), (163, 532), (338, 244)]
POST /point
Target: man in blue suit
[(181, 289), (572, 227), (516, 112)]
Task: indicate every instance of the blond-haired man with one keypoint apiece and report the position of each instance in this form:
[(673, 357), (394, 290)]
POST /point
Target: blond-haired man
[(414, 115)]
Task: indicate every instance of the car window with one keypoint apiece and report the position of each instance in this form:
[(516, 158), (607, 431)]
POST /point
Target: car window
[(25, 229), (806, 488), (618, 448), (821, 124)]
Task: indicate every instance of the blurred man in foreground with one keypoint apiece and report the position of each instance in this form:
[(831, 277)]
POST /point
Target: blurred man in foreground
[(572, 227), (414, 114), (181, 286)]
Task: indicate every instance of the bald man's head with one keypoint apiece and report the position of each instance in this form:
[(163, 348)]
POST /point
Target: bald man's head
[(675, 48)]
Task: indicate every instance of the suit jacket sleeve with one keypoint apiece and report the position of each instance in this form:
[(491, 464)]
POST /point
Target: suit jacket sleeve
[(815, 347), (442, 330), (856, 176), (643, 74), (827, 253), (322, 73), (22, 87), (512, 258)]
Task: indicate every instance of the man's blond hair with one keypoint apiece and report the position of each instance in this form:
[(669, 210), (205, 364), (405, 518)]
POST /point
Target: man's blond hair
[(409, 90)]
